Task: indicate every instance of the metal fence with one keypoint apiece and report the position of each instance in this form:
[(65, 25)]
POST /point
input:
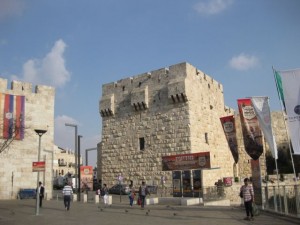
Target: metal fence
[(283, 199)]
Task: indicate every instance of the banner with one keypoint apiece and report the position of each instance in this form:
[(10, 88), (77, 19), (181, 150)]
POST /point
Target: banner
[(86, 178), (13, 117), (228, 124), (186, 161), (291, 91), (250, 128), (262, 111)]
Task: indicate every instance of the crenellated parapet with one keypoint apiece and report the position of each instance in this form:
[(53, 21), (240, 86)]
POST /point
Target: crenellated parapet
[(171, 85), (23, 88)]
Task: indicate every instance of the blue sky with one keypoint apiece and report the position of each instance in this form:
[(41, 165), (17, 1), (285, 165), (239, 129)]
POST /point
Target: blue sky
[(77, 46)]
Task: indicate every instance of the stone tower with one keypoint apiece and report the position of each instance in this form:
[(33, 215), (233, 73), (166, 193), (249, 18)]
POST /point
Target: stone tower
[(169, 111), (16, 159)]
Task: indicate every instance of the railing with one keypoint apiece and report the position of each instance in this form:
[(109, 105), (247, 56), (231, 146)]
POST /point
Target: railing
[(283, 199), (207, 193)]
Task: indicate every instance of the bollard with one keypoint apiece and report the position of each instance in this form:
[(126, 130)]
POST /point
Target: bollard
[(85, 198), (109, 200), (96, 199), (74, 197)]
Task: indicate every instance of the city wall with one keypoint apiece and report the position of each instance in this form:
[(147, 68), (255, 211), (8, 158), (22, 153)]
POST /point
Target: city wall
[(16, 159)]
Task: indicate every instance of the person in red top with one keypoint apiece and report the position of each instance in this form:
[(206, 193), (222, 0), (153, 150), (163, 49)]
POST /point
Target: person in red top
[(248, 195)]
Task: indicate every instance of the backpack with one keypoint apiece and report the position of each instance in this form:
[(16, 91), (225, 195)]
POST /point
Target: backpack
[(102, 192), (241, 194)]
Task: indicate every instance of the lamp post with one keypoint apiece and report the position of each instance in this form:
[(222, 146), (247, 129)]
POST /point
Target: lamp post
[(78, 160), (37, 208), (75, 150), (86, 154)]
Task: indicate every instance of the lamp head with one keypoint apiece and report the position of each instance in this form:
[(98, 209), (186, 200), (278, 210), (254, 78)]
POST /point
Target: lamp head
[(40, 132)]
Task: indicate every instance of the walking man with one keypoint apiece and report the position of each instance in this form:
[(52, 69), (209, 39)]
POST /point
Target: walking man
[(67, 193), (143, 191)]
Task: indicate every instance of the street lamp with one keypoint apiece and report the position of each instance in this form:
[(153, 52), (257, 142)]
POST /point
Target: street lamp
[(75, 151), (86, 154), (37, 208), (78, 160)]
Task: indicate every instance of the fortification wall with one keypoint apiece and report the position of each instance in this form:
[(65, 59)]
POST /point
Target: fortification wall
[(171, 109), (16, 160)]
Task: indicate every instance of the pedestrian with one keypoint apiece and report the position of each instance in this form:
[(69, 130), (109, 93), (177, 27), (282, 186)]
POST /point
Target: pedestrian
[(143, 192), (67, 193), (248, 195), (104, 193), (131, 195), (98, 192), (41, 191)]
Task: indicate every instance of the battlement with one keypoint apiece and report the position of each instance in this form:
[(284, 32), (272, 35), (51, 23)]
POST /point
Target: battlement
[(178, 72), (21, 88)]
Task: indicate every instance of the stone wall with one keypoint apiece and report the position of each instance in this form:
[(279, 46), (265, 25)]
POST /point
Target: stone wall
[(16, 160), (174, 110)]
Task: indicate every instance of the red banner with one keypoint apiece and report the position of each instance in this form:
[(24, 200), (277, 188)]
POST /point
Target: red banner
[(228, 124), (199, 160), (86, 178), (38, 166), (250, 127)]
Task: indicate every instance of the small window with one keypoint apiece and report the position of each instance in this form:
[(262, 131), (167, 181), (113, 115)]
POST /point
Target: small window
[(206, 138), (142, 143)]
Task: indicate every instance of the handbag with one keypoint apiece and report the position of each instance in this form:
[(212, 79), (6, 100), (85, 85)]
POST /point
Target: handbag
[(255, 209), (139, 201), (241, 194)]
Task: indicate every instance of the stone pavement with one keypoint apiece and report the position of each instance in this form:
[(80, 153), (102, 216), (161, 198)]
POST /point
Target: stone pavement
[(15, 212)]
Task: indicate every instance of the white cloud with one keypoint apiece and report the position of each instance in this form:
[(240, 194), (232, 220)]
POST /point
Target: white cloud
[(64, 136), (211, 7), (243, 62), (10, 8), (50, 70)]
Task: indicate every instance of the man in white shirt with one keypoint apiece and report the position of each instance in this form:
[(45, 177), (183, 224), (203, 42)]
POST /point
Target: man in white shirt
[(67, 193)]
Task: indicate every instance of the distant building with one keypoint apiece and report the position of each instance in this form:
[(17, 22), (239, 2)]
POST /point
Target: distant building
[(64, 162)]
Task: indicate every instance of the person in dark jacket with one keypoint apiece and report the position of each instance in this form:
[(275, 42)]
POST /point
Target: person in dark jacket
[(41, 191)]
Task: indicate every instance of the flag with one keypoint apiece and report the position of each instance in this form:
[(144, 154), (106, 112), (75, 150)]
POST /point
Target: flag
[(251, 131), (278, 82), (13, 116), (228, 124), (291, 90), (262, 111)]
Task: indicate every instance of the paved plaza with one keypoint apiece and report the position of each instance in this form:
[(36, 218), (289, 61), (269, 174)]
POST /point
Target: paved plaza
[(15, 212)]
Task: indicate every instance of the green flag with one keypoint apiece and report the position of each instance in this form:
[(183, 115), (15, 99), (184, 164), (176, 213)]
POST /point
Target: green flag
[(279, 87)]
